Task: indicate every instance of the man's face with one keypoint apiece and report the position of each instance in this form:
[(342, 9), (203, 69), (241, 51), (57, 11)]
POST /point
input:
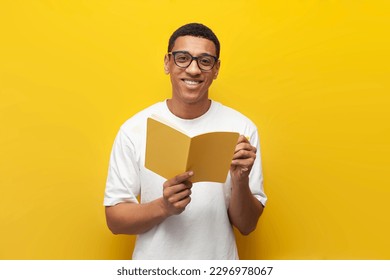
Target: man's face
[(190, 85)]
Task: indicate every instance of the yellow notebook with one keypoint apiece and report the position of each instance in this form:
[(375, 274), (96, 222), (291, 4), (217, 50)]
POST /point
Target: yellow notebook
[(170, 152)]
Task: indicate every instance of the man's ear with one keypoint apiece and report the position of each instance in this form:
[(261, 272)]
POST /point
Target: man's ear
[(217, 65), (166, 64)]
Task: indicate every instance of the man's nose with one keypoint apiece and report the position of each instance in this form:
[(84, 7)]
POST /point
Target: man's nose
[(193, 68)]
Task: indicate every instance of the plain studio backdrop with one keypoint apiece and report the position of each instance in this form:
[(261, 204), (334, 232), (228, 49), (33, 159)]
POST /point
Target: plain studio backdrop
[(313, 76)]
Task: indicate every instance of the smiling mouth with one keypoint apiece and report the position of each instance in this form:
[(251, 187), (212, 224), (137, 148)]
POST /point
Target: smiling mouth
[(191, 82)]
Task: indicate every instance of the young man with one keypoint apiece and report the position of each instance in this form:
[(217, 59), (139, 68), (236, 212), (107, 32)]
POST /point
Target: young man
[(176, 219)]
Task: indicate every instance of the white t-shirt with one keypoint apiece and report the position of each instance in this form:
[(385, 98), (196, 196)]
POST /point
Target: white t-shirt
[(203, 229)]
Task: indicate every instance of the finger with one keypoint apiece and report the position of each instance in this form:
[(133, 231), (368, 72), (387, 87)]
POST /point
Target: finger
[(169, 191), (182, 203), (244, 146), (188, 184), (179, 196), (179, 179), (243, 163), (243, 139), (243, 154), (241, 150)]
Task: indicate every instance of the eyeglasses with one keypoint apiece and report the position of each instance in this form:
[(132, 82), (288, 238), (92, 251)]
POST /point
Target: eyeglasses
[(183, 59)]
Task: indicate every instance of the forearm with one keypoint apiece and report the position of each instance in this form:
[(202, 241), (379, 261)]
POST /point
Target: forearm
[(133, 218), (244, 209)]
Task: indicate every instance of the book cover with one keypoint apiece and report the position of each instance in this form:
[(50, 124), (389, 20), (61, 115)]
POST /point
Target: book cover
[(170, 152)]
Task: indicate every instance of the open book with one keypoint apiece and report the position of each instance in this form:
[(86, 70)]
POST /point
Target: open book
[(170, 152)]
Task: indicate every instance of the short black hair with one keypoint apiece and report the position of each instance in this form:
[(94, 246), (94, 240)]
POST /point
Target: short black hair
[(196, 30)]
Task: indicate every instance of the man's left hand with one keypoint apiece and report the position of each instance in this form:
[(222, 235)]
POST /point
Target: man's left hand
[(243, 158)]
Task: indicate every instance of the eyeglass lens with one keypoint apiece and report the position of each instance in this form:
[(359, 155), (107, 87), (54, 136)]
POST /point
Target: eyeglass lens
[(205, 62)]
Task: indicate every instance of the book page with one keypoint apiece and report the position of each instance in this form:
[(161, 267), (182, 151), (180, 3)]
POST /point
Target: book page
[(211, 155), (166, 149)]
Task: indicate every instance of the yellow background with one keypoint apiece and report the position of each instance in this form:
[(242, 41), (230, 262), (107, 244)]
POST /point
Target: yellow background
[(313, 76)]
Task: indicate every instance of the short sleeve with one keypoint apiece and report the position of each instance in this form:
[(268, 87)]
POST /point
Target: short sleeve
[(123, 183), (256, 175)]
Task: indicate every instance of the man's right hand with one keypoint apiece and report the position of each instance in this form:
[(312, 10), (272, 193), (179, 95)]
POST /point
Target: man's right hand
[(135, 218), (176, 193)]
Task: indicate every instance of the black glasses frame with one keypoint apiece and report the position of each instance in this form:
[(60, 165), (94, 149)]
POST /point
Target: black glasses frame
[(193, 58)]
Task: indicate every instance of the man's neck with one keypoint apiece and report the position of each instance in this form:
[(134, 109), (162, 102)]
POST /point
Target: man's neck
[(188, 110)]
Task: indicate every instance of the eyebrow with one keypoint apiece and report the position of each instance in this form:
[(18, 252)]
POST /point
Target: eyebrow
[(193, 55)]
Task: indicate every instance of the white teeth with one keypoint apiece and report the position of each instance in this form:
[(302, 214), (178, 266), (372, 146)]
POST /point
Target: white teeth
[(189, 82)]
